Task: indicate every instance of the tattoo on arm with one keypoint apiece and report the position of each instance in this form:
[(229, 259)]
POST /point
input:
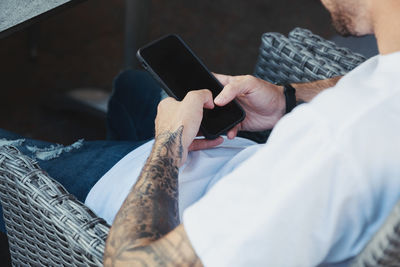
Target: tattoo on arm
[(150, 212)]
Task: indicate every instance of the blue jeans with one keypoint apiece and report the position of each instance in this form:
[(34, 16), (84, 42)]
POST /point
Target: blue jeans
[(130, 123)]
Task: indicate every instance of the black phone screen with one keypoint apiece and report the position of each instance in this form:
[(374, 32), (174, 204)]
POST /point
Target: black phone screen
[(181, 71)]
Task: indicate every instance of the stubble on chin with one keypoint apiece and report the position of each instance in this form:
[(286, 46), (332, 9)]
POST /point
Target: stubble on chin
[(342, 23), (349, 17)]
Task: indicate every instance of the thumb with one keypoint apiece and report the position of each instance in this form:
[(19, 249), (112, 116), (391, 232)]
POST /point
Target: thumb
[(228, 94)]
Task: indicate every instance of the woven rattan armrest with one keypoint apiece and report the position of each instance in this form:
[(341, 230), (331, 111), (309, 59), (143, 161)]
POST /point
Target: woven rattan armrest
[(46, 226)]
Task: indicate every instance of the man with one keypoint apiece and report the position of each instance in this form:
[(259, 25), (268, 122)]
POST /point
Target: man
[(314, 194)]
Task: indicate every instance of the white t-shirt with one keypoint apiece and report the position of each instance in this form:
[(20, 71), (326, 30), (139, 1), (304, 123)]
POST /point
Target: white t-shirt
[(200, 171), (315, 193), (323, 184)]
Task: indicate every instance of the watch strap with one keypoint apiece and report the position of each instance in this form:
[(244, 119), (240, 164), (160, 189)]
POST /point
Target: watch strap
[(290, 97)]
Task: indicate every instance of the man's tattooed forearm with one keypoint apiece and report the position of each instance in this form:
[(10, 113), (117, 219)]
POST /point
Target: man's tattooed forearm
[(151, 209), (172, 250), (172, 140)]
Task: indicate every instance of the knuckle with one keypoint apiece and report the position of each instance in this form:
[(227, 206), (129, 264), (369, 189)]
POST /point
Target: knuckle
[(191, 93), (206, 92), (162, 103), (249, 77), (159, 107), (165, 102)]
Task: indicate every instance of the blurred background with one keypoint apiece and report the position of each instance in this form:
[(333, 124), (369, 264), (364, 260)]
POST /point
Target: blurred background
[(83, 47)]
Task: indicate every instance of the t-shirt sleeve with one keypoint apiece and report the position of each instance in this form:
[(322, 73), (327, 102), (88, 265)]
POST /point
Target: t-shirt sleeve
[(297, 202)]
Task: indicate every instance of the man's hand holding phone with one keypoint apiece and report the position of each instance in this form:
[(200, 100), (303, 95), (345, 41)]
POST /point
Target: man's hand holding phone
[(188, 113), (178, 70), (263, 102)]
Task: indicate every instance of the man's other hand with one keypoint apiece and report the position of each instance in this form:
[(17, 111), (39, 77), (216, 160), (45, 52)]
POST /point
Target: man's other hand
[(263, 102), (188, 113)]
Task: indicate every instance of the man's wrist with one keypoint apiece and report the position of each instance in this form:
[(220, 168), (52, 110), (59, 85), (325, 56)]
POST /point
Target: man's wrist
[(169, 144)]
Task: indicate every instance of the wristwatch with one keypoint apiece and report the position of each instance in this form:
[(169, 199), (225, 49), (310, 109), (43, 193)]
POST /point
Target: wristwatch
[(290, 97)]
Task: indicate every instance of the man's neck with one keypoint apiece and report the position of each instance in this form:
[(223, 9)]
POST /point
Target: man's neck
[(386, 21)]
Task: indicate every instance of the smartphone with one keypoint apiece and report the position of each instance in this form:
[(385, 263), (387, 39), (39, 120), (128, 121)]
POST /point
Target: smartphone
[(174, 65)]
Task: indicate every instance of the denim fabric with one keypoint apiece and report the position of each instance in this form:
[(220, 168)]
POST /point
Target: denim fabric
[(130, 123), (133, 106)]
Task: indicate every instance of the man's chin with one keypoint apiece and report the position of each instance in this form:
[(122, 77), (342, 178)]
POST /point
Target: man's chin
[(341, 27)]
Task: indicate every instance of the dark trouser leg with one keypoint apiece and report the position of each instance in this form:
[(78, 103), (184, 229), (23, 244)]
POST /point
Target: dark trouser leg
[(133, 106)]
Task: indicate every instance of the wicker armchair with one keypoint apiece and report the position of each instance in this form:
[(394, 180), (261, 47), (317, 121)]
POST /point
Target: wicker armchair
[(47, 226)]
